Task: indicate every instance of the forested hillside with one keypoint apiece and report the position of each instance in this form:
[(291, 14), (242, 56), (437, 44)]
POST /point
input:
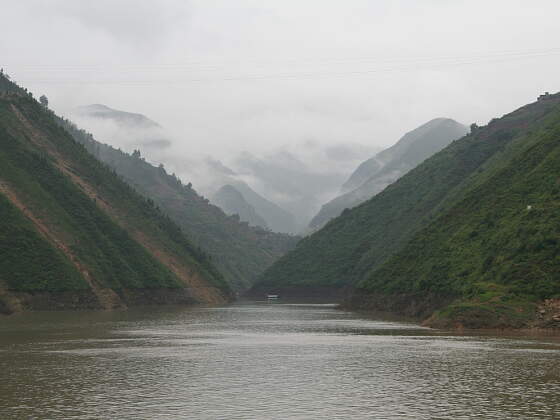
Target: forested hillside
[(495, 253), (459, 208), (239, 251), (74, 235)]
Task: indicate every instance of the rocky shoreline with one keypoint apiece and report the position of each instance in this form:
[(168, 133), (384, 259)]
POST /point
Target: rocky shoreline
[(443, 312)]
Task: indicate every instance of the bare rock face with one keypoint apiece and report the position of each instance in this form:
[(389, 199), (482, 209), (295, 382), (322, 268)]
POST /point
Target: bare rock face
[(548, 312)]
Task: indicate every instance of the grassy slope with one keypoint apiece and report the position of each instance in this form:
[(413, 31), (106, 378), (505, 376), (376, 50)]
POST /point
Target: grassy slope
[(33, 147), (239, 251), (351, 246)]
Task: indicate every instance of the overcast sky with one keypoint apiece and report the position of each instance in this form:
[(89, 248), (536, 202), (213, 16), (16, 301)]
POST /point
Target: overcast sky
[(232, 75)]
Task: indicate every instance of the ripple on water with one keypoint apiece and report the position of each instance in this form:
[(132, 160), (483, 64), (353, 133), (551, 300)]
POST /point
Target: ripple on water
[(268, 361)]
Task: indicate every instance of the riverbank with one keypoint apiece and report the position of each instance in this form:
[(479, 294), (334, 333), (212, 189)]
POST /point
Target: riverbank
[(12, 302), (445, 312)]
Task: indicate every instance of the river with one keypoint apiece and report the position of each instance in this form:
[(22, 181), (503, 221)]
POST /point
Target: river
[(261, 361)]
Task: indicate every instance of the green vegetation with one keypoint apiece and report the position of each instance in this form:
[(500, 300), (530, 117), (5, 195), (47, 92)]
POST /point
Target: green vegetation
[(478, 222), (499, 244), (239, 251), (115, 259), (103, 224), (32, 263)]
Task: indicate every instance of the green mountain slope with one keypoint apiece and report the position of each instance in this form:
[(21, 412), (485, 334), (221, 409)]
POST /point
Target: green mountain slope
[(373, 175), (239, 251), (349, 248), (72, 234), (495, 253)]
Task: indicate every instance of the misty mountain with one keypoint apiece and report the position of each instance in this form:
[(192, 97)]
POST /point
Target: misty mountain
[(286, 185), (231, 201), (239, 251), (121, 128), (471, 232), (295, 185), (129, 119), (373, 175), (138, 132), (277, 219)]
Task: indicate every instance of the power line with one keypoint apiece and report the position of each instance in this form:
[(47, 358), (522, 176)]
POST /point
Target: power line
[(304, 60), (411, 65)]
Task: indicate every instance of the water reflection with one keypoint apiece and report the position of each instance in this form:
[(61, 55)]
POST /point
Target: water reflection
[(266, 361)]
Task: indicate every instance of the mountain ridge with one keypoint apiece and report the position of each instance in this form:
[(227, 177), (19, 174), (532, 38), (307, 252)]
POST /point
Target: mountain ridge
[(388, 253), (374, 174), (492, 254), (124, 117), (238, 250), (231, 201)]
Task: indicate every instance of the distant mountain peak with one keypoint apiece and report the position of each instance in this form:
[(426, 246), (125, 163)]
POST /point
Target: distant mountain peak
[(231, 201), (376, 173), (102, 111)]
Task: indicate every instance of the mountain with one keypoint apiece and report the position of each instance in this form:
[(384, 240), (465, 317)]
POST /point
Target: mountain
[(296, 182), (136, 131), (373, 175), (74, 235), (231, 201), (239, 251), (492, 257), (276, 218), (467, 238), (123, 129), (129, 119), (295, 179)]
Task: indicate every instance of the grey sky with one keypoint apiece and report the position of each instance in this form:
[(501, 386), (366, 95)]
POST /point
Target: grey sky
[(244, 73), (227, 76)]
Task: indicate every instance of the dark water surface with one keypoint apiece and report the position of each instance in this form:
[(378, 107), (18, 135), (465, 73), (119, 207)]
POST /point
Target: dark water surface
[(260, 361)]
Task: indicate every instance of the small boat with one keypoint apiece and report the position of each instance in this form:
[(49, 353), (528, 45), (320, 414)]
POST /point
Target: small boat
[(271, 297)]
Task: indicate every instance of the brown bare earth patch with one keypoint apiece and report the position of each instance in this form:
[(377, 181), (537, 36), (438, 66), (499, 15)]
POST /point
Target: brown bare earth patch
[(190, 277), (107, 298)]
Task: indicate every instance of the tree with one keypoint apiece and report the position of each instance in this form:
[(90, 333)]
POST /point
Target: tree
[(474, 127), (44, 101)]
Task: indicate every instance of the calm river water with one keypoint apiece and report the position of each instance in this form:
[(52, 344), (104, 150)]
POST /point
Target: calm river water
[(260, 361)]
